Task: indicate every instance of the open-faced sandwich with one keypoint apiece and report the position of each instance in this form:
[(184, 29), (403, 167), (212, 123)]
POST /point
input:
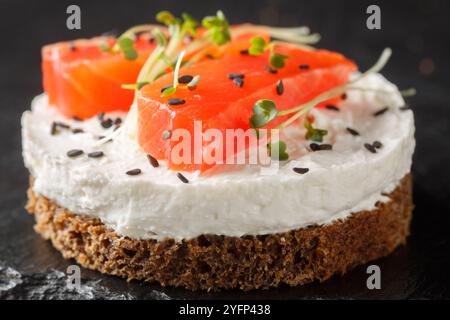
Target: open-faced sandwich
[(206, 156)]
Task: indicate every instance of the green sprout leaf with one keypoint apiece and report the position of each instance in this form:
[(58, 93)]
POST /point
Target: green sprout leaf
[(168, 91), (167, 18), (140, 84), (218, 28), (258, 45), (264, 111), (277, 151), (126, 45), (190, 24), (277, 60), (314, 134)]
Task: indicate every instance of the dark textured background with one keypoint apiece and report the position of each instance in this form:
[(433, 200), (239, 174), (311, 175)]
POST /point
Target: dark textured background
[(419, 33)]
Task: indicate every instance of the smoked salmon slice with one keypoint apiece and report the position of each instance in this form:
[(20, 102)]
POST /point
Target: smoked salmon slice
[(82, 80), (223, 103)]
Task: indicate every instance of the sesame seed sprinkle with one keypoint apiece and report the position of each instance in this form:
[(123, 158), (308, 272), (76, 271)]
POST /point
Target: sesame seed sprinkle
[(380, 112), (153, 161), (176, 102), (54, 129), (280, 87), (270, 70), (232, 76), (77, 130), (96, 154), (182, 177), (300, 170), (405, 107), (320, 147), (74, 153), (303, 67), (238, 81), (134, 172), (353, 132), (377, 144), (75, 118), (332, 107), (106, 123), (244, 52), (370, 147), (62, 125), (185, 79)]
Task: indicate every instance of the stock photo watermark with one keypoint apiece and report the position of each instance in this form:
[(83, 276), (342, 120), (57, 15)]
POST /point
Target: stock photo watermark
[(73, 21), (374, 280), (373, 22)]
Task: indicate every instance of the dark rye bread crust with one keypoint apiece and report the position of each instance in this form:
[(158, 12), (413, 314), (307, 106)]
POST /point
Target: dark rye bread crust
[(212, 262)]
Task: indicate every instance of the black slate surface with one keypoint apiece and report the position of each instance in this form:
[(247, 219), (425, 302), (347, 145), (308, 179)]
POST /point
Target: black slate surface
[(418, 31)]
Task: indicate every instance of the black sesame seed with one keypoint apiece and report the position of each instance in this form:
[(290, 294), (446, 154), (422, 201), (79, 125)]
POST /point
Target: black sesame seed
[(176, 101), (101, 137), (153, 161), (344, 96), (405, 107), (101, 116), (166, 134), (96, 154), (353, 132), (185, 79), (303, 67), (239, 82), (370, 147), (320, 147), (270, 70), (326, 146), (134, 172), (74, 153), (77, 130), (151, 40), (166, 87), (244, 52), (77, 119), (62, 125), (377, 144), (116, 127), (280, 87), (54, 129), (300, 170), (332, 107), (236, 75), (182, 177), (107, 123), (72, 47), (118, 121), (380, 112)]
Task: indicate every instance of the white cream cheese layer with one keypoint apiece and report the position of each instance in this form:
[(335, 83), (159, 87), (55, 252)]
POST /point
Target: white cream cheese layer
[(156, 204)]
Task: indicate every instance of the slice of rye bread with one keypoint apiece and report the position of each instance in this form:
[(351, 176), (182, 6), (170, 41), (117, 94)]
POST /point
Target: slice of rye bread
[(212, 262)]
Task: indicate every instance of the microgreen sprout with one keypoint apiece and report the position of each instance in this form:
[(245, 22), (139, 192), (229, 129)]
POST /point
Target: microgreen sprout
[(126, 45), (218, 28), (259, 46), (277, 151), (314, 134), (264, 111)]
